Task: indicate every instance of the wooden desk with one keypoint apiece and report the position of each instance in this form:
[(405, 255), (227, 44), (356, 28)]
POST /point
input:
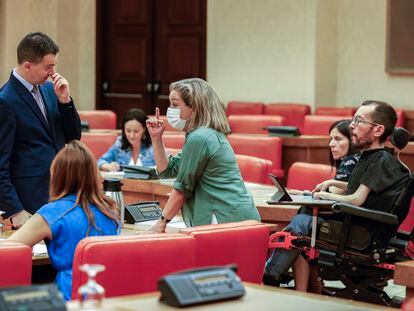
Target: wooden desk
[(256, 298), (404, 275), (159, 190), (305, 148)]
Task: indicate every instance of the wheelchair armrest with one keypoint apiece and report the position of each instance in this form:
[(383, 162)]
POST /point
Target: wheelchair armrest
[(382, 217)]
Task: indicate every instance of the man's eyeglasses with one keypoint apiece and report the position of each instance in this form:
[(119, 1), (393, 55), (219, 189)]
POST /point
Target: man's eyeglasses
[(357, 119)]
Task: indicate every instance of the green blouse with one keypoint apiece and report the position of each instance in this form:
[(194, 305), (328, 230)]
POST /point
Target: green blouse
[(207, 174)]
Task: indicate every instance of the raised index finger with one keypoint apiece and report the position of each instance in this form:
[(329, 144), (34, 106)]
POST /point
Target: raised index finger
[(157, 113)]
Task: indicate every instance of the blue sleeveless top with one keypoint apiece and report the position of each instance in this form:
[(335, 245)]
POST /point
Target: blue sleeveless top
[(68, 228)]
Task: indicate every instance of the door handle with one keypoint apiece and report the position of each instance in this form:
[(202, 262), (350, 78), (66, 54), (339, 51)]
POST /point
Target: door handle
[(105, 86), (156, 86)]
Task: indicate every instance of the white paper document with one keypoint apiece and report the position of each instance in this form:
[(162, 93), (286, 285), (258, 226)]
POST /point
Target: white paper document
[(39, 249)]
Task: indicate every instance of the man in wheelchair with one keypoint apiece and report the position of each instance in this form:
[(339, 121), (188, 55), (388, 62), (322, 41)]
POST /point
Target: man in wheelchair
[(355, 244)]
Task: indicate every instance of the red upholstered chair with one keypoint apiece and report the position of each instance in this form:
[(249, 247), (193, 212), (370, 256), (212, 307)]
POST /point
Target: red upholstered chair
[(99, 143), (254, 169), (99, 119), (172, 151), (244, 107), (401, 118), (293, 113), (305, 176), (253, 124), (174, 141), (133, 264), (16, 264), (265, 147), (242, 243), (408, 223), (319, 125), (336, 111)]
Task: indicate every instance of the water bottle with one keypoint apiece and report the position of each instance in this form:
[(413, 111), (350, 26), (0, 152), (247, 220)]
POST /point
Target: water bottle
[(112, 189)]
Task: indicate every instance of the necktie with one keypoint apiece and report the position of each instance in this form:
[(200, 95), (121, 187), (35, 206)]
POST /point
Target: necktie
[(38, 97)]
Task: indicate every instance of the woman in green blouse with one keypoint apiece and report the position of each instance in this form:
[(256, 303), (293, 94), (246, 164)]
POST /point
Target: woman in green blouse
[(208, 186)]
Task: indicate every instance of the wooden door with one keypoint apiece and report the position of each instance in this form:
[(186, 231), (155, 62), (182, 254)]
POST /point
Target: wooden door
[(144, 45), (180, 44)]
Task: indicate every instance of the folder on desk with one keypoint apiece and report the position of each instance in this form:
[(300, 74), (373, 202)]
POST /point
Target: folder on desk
[(139, 172)]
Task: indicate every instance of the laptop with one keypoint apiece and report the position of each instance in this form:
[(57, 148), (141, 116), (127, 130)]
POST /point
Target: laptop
[(282, 197)]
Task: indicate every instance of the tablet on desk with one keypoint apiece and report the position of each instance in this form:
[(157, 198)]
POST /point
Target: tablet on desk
[(282, 197)]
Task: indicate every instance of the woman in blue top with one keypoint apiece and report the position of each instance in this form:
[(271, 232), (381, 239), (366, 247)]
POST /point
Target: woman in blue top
[(77, 208), (133, 147)]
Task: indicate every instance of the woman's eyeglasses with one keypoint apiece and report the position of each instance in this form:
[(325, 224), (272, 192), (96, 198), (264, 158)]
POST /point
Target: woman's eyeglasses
[(357, 119)]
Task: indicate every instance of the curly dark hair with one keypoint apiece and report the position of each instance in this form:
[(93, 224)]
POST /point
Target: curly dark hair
[(141, 117)]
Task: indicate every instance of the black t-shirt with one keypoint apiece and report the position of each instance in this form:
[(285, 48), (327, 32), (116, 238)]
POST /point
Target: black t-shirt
[(346, 167), (385, 176)]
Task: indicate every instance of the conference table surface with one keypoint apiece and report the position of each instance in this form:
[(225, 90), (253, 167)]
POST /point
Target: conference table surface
[(159, 190), (257, 297)]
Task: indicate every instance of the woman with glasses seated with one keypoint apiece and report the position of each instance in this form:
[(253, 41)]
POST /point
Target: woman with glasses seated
[(208, 187)]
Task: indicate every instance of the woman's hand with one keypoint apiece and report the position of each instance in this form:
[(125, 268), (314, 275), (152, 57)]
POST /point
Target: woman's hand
[(323, 185), (159, 227), (155, 126), (110, 167)]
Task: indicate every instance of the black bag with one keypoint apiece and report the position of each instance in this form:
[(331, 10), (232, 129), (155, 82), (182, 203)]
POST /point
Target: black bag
[(139, 172)]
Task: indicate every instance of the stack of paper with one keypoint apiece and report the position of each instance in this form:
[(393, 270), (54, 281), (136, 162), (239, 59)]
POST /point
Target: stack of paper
[(39, 249)]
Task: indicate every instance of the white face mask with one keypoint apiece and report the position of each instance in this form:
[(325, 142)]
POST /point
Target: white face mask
[(173, 117)]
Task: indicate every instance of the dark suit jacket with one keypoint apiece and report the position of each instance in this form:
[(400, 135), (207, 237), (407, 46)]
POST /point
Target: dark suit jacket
[(28, 144)]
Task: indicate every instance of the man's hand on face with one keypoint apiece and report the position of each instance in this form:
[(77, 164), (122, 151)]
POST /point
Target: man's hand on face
[(61, 87)]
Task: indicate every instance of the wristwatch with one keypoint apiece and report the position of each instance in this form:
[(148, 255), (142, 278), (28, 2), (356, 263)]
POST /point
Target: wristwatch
[(163, 218)]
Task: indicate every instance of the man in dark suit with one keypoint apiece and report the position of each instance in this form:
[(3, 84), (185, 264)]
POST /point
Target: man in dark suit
[(37, 118)]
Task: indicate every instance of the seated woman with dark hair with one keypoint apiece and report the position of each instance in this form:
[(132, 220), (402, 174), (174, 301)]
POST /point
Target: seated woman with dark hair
[(342, 155), (77, 209), (133, 147)]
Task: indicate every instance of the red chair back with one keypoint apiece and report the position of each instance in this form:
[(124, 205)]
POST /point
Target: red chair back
[(305, 176), (319, 125), (254, 169), (242, 243), (174, 141), (336, 111), (260, 146), (243, 107), (253, 124), (408, 223), (293, 113), (16, 263), (401, 118), (133, 264), (99, 143), (172, 151), (99, 119)]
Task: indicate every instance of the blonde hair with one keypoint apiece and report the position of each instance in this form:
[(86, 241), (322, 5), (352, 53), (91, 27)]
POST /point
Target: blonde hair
[(74, 171), (208, 110)]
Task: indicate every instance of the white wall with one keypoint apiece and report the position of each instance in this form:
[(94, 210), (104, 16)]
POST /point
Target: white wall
[(261, 50), (361, 57), (323, 52)]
